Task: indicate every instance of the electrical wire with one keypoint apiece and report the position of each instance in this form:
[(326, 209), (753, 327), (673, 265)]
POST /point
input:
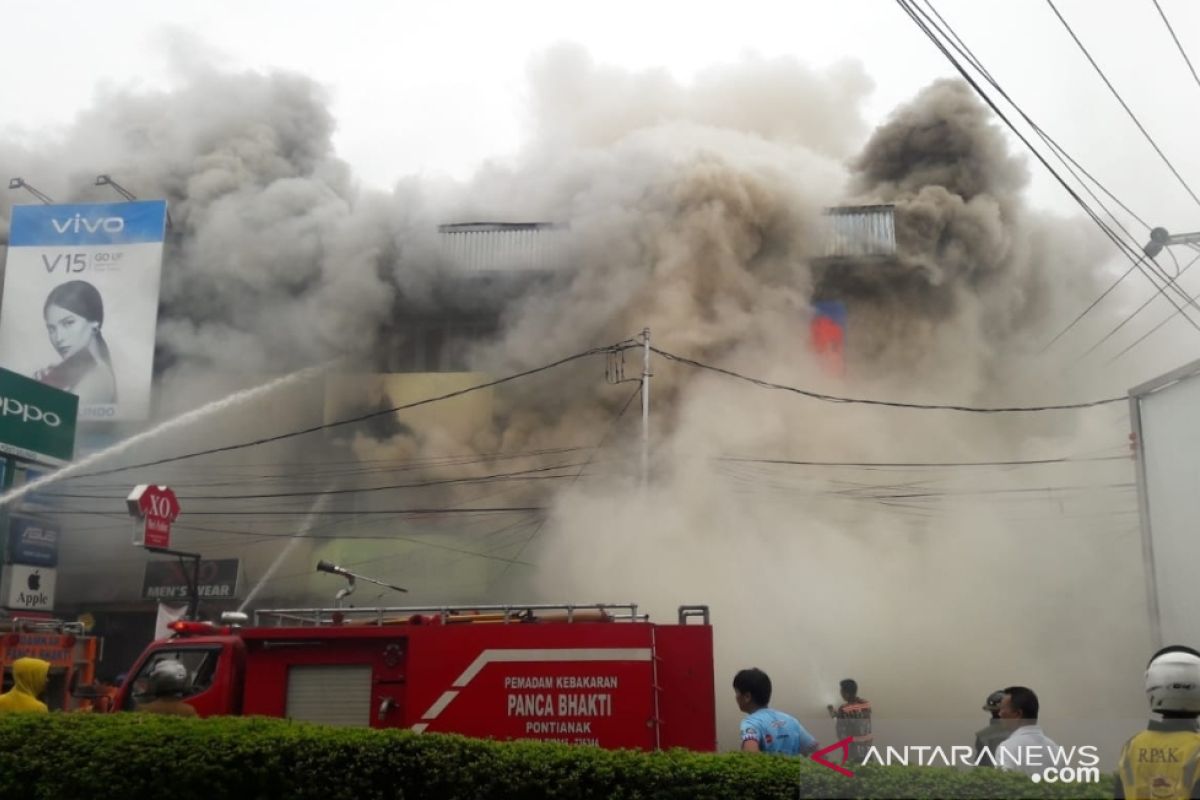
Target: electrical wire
[(319, 476), (525, 474), (1124, 105), (925, 24), (1178, 44), (921, 464), (515, 526), (1136, 311), (600, 444), (1062, 154), (354, 537), (1148, 333), (362, 417), (397, 512), (889, 403), (1071, 165)]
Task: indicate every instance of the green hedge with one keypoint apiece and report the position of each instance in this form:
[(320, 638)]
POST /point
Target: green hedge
[(123, 756)]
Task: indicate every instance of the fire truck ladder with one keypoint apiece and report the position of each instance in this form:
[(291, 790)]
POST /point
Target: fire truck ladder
[(449, 615), (685, 613)]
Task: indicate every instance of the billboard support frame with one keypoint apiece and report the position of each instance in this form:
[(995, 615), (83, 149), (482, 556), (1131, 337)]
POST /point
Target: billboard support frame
[(1136, 394)]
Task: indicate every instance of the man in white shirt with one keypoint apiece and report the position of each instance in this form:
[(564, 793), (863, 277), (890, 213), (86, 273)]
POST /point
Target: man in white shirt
[(1027, 750)]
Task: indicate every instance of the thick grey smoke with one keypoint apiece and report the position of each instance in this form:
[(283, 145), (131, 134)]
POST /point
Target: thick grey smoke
[(972, 258), (693, 209), (930, 586)]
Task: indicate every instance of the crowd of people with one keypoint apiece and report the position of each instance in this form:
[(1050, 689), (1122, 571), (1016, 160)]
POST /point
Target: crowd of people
[(1162, 761)]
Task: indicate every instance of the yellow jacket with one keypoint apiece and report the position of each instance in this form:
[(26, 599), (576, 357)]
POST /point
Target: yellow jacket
[(29, 680), (1162, 761)]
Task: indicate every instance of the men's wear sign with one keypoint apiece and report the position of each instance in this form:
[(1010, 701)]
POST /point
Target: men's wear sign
[(81, 302), (168, 580)]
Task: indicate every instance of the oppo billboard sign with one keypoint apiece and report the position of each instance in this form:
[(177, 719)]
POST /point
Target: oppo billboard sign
[(37, 422)]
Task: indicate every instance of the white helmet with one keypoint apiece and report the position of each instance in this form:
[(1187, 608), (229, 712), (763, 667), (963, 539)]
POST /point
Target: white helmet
[(168, 677), (1173, 680)]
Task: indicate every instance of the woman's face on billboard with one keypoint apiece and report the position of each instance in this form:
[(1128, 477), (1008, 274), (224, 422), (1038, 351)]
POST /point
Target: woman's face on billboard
[(69, 332)]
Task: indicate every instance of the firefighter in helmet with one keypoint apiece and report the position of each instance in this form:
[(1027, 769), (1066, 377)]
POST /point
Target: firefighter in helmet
[(168, 683), (1163, 761), (987, 739)]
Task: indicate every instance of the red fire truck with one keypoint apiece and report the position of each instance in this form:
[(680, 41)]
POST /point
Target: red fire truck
[(599, 674)]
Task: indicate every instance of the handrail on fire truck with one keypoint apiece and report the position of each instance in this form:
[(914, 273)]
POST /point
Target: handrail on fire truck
[(504, 614), (26, 625)]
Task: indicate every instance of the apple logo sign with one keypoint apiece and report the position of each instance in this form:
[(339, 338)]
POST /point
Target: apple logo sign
[(35, 597)]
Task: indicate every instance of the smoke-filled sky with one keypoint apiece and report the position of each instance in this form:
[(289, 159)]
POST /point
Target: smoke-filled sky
[(442, 88), (443, 91), (309, 158)]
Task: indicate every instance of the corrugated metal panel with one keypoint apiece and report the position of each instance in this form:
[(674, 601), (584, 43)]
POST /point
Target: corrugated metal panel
[(503, 246), (332, 694), (860, 231)]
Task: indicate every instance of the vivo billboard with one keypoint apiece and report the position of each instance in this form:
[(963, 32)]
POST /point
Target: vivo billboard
[(81, 302)]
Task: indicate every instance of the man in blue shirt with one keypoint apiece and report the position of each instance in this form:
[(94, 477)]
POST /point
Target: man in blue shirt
[(766, 730)]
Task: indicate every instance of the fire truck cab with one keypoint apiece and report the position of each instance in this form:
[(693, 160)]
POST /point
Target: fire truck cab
[(599, 674), (71, 653)]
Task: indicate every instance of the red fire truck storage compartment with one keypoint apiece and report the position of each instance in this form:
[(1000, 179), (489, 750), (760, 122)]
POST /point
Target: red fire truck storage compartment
[(335, 676)]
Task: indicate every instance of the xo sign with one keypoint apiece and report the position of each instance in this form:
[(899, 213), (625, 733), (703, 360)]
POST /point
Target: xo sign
[(153, 508)]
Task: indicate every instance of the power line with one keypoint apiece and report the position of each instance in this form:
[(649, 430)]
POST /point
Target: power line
[(389, 537), (1055, 147), (922, 464), (1178, 44), (524, 474), (829, 398), (1093, 304), (924, 23), (600, 444), (1148, 333), (406, 512), (514, 526), (528, 474), (1124, 105), (1137, 311), (984, 492), (1063, 156), (362, 417), (324, 476)]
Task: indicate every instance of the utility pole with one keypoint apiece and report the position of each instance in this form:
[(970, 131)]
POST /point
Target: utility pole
[(645, 408)]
